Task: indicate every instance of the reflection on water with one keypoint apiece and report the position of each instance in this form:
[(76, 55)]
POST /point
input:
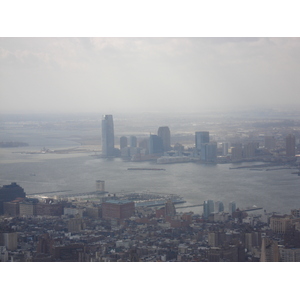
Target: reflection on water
[(275, 191)]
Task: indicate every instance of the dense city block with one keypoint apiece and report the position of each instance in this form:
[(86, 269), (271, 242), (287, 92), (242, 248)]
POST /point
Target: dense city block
[(103, 227)]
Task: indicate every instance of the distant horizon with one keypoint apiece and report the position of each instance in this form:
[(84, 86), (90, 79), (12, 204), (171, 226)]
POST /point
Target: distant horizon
[(137, 75), (258, 111)]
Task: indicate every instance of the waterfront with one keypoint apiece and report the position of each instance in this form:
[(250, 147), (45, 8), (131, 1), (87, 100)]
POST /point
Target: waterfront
[(274, 191)]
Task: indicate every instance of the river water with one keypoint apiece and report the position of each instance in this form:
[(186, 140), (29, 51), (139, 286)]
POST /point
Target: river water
[(275, 191)]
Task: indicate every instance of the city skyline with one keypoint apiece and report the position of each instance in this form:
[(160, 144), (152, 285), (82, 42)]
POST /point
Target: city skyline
[(175, 76)]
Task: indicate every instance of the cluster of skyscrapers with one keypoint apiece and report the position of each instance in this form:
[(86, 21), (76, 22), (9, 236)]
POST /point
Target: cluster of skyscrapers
[(204, 148), (157, 145), (209, 207), (161, 142)]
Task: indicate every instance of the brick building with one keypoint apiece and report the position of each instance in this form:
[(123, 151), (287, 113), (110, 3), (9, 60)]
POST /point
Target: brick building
[(27, 209), (11, 208), (44, 209), (280, 223), (115, 209)]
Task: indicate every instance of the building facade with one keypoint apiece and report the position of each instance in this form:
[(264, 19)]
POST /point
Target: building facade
[(269, 250), (231, 207), (225, 147), (165, 135), (123, 142), (209, 152), (290, 145), (280, 224), (289, 254), (208, 208), (115, 209), (108, 137), (9, 193), (201, 137), (155, 144), (133, 141)]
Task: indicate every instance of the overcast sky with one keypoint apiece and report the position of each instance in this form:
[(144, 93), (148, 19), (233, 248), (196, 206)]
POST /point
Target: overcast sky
[(147, 74)]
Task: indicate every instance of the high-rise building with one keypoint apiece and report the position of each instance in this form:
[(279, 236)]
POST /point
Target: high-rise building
[(45, 209), (12, 208), (170, 209), (280, 223), (208, 208), (216, 238), (44, 244), (289, 255), (10, 240), (27, 209), (252, 239), (209, 152), (225, 147), (236, 153), (155, 144), (108, 138), (249, 150), (133, 141), (290, 145), (10, 192), (165, 135), (115, 209), (144, 144), (269, 250), (232, 207), (123, 142), (201, 137), (219, 207)]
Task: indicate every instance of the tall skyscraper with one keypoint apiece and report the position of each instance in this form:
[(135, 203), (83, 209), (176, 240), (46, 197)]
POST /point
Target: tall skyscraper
[(225, 147), (219, 207), (290, 145), (208, 208), (232, 207), (249, 150), (155, 144), (133, 141), (108, 137), (209, 152), (123, 142), (165, 135), (201, 137), (236, 153)]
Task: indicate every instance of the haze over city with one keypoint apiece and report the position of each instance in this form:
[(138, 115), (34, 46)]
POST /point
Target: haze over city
[(136, 75), (53, 93)]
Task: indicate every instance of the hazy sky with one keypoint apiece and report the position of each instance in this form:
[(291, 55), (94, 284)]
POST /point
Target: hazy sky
[(147, 74)]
